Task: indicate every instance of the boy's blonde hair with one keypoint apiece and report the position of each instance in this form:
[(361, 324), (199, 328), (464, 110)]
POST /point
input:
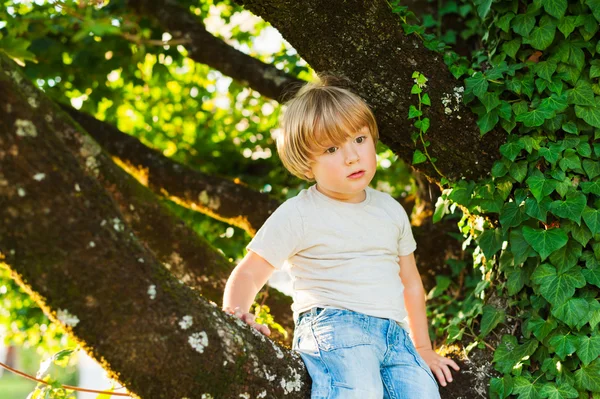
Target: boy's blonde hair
[(320, 115)]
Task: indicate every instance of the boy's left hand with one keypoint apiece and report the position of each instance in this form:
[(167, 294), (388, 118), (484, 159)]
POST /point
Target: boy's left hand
[(438, 364)]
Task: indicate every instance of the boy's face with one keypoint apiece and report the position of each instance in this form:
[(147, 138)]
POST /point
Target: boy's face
[(335, 169)]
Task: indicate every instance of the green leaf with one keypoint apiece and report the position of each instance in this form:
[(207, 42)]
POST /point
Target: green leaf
[(424, 125), (591, 217), (490, 100), (537, 210), (563, 344), (590, 187), (540, 327), (523, 24), (511, 215), (476, 84), (413, 112), (580, 233), (556, 8), (425, 100), (518, 170), (483, 7), (594, 69), (511, 47), (487, 122), (545, 69), (594, 5), (545, 241), (570, 160), (588, 376), (562, 391), (509, 352), (490, 319), (567, 25), (558, 286), (526, 389), (542, 36), (590, 114), (566, 256), (511, 149), (490, 242), (535, 117), (570, 127), (418, 157), (519, 246), (581, 94), (571, 208), (585, 150), (573, 311), (592, 275), (592, 168), (502, 386), (540, 185), (589, 348)]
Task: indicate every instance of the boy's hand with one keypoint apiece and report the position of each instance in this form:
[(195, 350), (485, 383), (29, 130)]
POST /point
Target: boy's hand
[(438, 364), (248, 318)]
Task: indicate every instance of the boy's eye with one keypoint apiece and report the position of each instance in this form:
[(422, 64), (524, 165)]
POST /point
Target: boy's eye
[(330, 150), (361, 139)]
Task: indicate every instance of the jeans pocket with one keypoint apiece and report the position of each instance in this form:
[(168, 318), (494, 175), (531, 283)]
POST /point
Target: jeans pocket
[(341, 329)]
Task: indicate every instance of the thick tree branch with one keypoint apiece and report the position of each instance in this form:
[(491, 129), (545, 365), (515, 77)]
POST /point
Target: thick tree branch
[(207, 49), (63, 238), (364, 41)]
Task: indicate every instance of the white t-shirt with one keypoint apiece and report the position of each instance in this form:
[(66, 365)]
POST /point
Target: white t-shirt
[(340, 254)]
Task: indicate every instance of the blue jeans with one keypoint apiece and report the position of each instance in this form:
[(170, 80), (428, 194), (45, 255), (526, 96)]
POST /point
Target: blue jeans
[(352, 355)]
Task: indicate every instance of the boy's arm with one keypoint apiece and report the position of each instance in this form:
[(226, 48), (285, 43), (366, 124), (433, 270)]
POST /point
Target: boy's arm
[(245, 281), (414, 300)]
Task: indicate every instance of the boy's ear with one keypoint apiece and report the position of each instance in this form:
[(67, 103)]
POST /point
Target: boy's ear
[(309, 174)]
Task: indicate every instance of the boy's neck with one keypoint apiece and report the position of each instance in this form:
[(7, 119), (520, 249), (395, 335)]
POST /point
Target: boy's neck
[(350, 198)]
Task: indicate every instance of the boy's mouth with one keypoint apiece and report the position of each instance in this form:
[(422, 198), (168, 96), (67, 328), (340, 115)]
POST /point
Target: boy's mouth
[(357, 174)]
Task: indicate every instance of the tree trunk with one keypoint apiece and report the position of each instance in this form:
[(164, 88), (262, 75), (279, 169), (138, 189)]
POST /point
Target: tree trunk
[(64, 239), (364, 41)]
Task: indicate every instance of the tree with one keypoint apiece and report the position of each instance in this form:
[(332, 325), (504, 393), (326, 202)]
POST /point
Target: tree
[(534, 189)]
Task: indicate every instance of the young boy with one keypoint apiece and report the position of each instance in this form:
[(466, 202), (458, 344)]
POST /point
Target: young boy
[(350, 252)]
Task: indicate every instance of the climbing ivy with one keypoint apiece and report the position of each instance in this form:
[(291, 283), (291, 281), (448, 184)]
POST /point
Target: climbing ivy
[(536, 220)]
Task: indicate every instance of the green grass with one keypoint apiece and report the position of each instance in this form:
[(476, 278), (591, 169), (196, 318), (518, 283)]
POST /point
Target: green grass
[(14, 387)]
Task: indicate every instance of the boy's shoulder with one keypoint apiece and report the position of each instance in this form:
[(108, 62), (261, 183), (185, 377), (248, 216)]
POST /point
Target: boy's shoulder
[(389, 204)]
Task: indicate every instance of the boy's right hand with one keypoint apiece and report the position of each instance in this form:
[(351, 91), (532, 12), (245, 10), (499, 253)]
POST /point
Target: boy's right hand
[(248, 318)]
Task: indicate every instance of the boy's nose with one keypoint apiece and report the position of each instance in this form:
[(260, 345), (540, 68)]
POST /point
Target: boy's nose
[(351, 156)]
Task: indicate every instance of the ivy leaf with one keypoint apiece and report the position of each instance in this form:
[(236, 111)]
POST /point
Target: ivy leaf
[(511, 215), (487, 122), (490, 319), (540, 185), (490, 242), (511, 149), (509, 352), (588, 376), (594, 5), (418, 157), (476, 84), (556, 8), (523, 24), (518, 170), (566, 256), (557, 286), (591, 217), (511, 47), (580, 233), (535, 117), (413, 112), (545, 241), (426, 100), (555, 102), (592, 168), (571, 208), (542, 36), (589, 348), (545, 69), (526, 389), (537, 210), (563, 344), (573, 311), (519, 246), (590, 187), (592, 275), (567, 25), (502, 386), (540, 327), (490, 100), (590, 114), (562, 391), (551, 154), (570, 160), (581, 94)]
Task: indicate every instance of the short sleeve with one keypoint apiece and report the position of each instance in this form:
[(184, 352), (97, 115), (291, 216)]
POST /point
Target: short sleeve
[(406, 241), (280, 237)]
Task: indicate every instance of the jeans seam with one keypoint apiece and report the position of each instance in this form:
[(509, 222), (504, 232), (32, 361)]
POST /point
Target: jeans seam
[(330, 379), (386, 380), (409, 346)]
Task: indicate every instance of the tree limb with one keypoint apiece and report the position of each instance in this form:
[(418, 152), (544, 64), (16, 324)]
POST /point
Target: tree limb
[(206, 49)]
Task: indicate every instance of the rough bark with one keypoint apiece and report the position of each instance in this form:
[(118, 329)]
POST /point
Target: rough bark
[(207, 49), (364, 41), (62, 236)]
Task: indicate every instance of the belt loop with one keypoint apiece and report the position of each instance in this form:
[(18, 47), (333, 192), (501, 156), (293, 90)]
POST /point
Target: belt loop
[(313, 311)]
